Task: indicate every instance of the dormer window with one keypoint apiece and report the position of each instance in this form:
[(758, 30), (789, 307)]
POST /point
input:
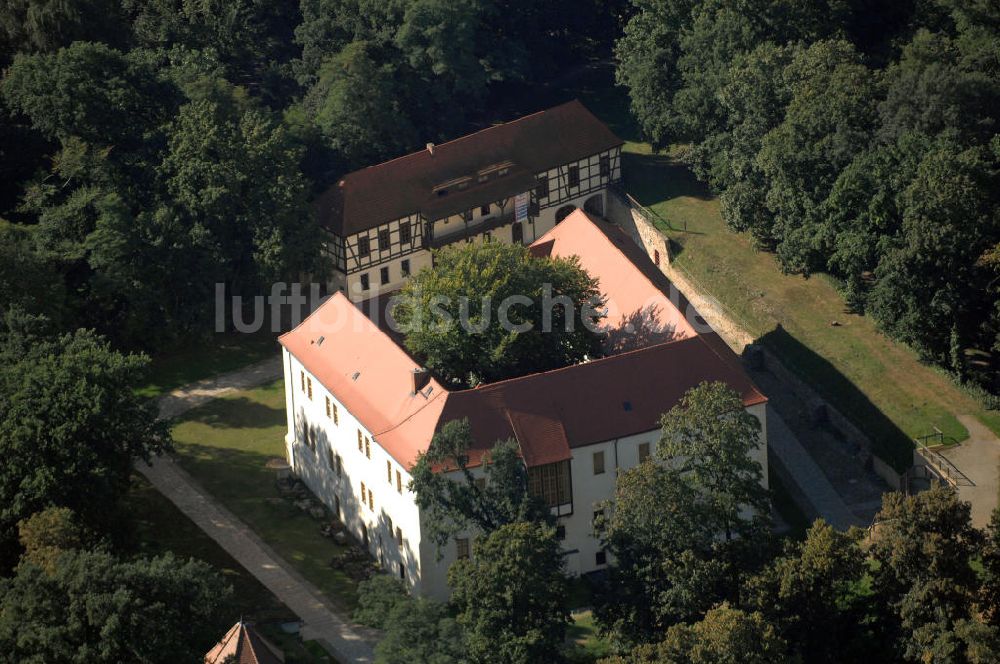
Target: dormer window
[(503, 171), (483, 177), (442, 192)]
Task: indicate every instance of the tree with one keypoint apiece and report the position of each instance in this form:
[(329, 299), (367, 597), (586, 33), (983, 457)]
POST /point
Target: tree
[(667, 565), (451, 313), (511, 596), (70, 427), (924, 581), (46, 535), (235, 186), (830, 118), (930, 278), (724, 636), (455, 505), (89, 91), (708, 442), (421, 630), (96, 608), (28, 281), (647, 63), (810, 595), (46, 25), (377, 597), (357, 108), (683, 531)]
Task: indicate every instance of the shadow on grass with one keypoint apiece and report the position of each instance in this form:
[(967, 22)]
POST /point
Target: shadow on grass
[(239, 479), (889, 442), (238, 413), (657, 178), (195, 361)]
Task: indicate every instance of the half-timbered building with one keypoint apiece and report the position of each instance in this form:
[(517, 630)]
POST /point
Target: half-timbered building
[(509, 183)]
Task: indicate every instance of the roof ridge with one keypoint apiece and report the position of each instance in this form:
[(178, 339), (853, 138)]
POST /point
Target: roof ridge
[(460, 138), (596, 360), (617, 248)]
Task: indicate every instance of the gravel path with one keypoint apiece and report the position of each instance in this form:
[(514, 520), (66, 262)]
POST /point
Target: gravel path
[(321, 621)]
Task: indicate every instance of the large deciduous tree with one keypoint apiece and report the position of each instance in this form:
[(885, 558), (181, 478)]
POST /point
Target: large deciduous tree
[(683, 530), (925, 584), (94, 608), (451, 313), (811, 595), (725, 635), (70, 426), (510, 596), (453, 505)]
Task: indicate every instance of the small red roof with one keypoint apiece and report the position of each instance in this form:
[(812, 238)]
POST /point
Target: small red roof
[(529, 145), (242, 644)]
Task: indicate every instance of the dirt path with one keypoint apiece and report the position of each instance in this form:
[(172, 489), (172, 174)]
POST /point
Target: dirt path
[(321, 621), (979, 458)]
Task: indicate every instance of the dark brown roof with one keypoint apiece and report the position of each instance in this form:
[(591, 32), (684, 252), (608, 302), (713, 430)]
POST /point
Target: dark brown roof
[(392, 190)]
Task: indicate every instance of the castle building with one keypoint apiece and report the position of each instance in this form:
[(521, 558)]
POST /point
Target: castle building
[(360, 410)]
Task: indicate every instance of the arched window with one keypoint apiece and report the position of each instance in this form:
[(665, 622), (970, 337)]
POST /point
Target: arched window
[(564, 212), (595, 205)]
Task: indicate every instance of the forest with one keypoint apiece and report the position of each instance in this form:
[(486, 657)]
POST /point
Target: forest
[(149, 150), (856, 139), (153, 149)]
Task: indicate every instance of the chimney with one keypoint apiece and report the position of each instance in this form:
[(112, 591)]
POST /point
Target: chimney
[(430, 148), (420, 378)]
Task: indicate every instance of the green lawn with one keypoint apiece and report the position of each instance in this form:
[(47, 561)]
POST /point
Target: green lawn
[(880, 384), (587, 645), (159, 527), (219, 354), (225, 445)]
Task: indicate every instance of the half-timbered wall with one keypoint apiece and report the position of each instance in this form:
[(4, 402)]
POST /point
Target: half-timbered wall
[(380, 259)]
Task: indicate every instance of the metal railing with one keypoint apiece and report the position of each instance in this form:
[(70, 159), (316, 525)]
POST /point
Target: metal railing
[(938, 463)]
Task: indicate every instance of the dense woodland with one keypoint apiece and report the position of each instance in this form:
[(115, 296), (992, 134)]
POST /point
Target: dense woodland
[(149, 150), (855, 138)]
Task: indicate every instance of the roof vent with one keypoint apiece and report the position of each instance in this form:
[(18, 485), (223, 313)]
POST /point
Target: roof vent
[(627, 405), (430, 148), (355, 376), (319, 342), (420, 377)]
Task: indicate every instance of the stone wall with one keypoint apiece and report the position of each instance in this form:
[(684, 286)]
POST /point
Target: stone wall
[(633, 221)]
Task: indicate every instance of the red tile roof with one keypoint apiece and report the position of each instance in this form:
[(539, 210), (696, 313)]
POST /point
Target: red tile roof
[(367, 371), (639, 309), (553, 412), (548, 413), (242, 644), (400, 187)]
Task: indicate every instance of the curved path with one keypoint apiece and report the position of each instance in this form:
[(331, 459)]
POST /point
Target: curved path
[(321, 621)]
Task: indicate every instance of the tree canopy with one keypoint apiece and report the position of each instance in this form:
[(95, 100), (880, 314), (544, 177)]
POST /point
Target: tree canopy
[(70, 426), (453, 505), (683, 530), (510, 596), (454, 314), (853, 138), (94, 607)]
